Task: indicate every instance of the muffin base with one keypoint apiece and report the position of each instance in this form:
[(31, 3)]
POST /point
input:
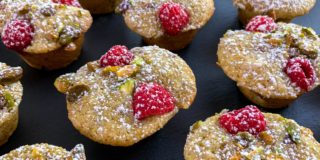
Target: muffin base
[(56, 59), (8, 125), (271, 103), (177, 42), (245, 16), (99, 6)]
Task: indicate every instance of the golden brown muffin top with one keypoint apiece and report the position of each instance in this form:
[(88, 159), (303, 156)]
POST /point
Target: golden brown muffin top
[(281, 8), (257, 60), (45, 151), (55, 25), (284, 139), (141, 16), (10, 90), (104, 112)]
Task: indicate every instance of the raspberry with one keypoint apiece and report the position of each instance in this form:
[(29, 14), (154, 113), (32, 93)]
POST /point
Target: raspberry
[(248, 119), (151, 99), (263, 24), (17, 34), (300, 72), (74, 3), (117, 56), (173, 18)]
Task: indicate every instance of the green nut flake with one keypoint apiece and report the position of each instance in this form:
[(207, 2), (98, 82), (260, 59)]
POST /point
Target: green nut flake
[(197, 125), (294, 131), (128, 87), (6, 100), (9, 99), (309, 32), (68, 34), (138, 61)]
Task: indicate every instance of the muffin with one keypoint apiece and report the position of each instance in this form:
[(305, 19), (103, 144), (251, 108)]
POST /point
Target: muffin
[(248, 133), (168, 24), (127, 95), (272, 63), (10, 98), (99, 6), (45, 34), (280, 10), (45, 151)]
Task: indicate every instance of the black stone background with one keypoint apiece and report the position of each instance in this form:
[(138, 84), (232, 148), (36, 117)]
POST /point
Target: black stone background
[(43, 115)]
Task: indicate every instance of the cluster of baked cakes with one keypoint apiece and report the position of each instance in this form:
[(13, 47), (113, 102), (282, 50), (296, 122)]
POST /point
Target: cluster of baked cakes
[(129, 94)]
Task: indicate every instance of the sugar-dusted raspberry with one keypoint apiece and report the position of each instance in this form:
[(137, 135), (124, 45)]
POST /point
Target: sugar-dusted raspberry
[(74, 3), (248, 119), (151, 99), (301, 72), (263, 24), (117, 56), (17, 34), (173, 18)]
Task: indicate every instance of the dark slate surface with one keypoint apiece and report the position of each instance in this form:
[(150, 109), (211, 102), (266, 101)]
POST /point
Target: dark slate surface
[(43, 115)]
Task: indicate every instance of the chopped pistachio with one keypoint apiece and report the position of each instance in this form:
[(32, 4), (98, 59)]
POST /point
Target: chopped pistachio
[(25, 9), (289, 40), (138, 61), (36, 154), (11, 75), (109, 69), (92, 66), (197, 125), (244, 139), (69, 33), (266, 137), (127, 71), (275, 42), (6, 100), (77, 92), (128, 86), (9, 99), (255, 154), (309, 32), (64, 82), (294, 131)]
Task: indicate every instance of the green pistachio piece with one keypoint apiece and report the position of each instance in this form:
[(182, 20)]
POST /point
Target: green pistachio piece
[(109, 69), (68, 34), (138, 61), (24, 10), (9, 98), (294, 131), (92, 66), (6, 100), (64, 82), (10, 75), (77, 92), (309, 32), (128, 86), (197, 125), (244, 139), (313, 54), (127, 71), (255, 154)]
